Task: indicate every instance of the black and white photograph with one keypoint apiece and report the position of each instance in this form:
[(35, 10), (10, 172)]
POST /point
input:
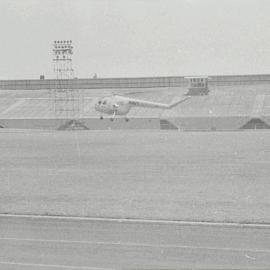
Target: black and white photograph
[(134, 134)]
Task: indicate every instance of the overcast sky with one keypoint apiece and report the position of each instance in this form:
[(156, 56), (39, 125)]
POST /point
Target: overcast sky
[(129, 38)]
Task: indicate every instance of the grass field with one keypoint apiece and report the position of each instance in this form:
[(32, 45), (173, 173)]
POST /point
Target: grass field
[(137, 174)]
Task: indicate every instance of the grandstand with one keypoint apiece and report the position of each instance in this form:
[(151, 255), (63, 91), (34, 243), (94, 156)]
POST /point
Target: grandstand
[(233, 103)]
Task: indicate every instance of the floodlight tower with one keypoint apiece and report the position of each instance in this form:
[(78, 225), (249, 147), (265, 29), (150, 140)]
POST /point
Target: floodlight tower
[(62, 52), (66, 101)]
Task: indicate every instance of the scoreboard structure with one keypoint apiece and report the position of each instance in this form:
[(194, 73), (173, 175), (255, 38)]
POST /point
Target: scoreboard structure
[(197, 86)]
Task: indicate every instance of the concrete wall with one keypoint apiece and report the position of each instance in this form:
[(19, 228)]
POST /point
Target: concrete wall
[(86, 123), (221, 123), (240, 79), (144, 82), (94, 83), (226, 123)]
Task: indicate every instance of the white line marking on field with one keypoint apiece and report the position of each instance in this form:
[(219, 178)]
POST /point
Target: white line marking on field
[(155, 221), (13, 106), (55, 266), (132, 244)]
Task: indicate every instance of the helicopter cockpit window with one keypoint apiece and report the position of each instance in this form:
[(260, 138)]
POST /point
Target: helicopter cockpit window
[(99, 102)]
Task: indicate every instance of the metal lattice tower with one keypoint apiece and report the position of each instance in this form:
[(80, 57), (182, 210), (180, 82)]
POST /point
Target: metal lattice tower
[(66, 102)]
